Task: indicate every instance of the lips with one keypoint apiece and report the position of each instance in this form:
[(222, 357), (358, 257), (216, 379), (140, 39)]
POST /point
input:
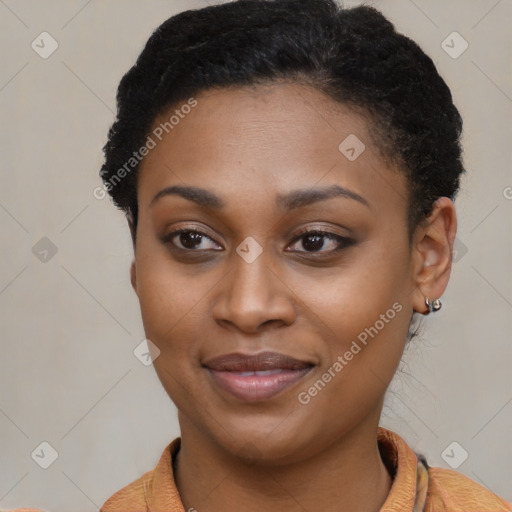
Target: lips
[(256, 377)]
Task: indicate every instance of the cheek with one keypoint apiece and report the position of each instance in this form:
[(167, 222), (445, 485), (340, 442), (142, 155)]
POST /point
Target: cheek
[(164, 290), (174, 307), (172, 316), (363, 311), (353, 295)]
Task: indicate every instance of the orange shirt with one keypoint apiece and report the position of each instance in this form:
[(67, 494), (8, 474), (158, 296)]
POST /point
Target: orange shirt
[(415, 488)]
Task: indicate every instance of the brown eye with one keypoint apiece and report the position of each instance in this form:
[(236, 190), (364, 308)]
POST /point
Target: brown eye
[(320, 241), (191, 240)]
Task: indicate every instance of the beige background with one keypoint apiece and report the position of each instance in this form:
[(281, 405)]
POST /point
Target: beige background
[(68, 375)]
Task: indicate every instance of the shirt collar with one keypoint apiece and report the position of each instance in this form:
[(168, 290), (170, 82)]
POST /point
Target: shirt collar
[(407, 470), (410, 483)]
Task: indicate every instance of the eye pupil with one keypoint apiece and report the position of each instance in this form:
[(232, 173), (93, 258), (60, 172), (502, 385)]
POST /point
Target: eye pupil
[(190, 239), (313, 242)]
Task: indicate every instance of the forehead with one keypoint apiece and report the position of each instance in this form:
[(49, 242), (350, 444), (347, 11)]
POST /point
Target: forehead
[(254, 140)]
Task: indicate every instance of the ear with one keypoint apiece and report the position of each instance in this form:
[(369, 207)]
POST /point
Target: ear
[(432, 253), (133, 276), (131, 225), (133, 271)]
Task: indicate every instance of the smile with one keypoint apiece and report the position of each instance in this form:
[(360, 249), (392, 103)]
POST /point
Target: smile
[(254, 378)]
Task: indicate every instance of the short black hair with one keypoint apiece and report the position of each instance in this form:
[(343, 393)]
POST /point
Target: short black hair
[(354, 55)]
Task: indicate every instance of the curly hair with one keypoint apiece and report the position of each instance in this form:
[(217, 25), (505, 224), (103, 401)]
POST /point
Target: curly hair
[(353, 55)]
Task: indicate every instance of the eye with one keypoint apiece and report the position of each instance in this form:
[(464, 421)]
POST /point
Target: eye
[(313, 241), (191, 240), (321, 242)]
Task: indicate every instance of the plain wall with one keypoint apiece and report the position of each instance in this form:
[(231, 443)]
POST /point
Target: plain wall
[(68, 375)]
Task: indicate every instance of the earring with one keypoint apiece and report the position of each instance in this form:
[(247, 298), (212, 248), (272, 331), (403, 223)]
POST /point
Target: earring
[(433, 306)]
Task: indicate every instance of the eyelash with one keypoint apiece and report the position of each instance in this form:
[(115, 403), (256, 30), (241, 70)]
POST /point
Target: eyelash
[(343, 242)]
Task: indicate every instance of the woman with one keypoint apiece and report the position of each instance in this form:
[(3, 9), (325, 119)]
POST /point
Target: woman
[(288, 170)]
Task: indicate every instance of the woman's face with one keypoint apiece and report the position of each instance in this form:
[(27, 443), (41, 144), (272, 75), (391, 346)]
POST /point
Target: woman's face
[(256, 171)]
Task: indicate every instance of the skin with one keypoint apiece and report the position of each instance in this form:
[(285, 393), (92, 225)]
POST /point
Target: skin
[(249, 145)]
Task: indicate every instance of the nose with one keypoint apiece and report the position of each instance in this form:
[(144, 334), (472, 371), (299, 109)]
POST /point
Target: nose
[(253, 297)]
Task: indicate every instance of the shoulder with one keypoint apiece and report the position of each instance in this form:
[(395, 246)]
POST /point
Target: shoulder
[(133, 494), (154, 490), (453, 491)]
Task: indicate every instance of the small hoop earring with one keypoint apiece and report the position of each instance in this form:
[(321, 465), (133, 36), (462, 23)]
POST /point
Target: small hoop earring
[(433, 306)]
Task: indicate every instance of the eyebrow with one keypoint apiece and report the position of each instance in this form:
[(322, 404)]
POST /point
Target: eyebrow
[(197, 195), (305, 197), (288, 201)]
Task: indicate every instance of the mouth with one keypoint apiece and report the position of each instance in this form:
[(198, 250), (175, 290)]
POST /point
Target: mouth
[(253, 378)]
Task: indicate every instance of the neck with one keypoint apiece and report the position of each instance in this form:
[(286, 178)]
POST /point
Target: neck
[(349, 475)]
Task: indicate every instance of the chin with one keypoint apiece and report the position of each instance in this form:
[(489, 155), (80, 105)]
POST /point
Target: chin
[(263, 441)]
